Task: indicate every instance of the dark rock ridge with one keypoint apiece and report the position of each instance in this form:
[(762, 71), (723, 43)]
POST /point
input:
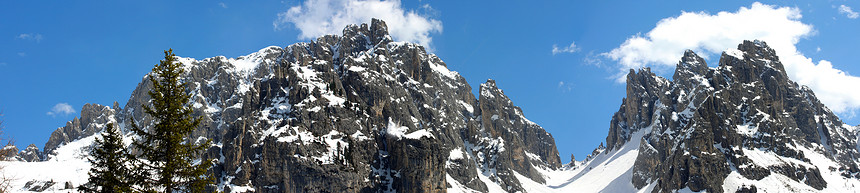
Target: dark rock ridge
[(351, 113), (704, 124), (30, 154)]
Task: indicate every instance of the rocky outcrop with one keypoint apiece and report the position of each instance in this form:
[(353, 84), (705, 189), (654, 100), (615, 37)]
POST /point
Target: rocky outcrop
[(30, 154), (93, 119), (701, 126), (521, 143), (351, 113), (9, 152)]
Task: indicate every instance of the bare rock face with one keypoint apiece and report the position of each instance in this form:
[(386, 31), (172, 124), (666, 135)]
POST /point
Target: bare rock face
[(700, 127), (519, 144), (93, 119), (350, 113), (30, 154), (9, 152)]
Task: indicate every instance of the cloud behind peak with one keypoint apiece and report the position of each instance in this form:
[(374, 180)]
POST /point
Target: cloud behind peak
[(315, 18)]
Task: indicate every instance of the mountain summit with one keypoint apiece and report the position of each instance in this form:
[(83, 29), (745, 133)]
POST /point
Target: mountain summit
[(351, 113), (742, 126)]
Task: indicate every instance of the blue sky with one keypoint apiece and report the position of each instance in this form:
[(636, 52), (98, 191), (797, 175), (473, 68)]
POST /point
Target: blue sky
[(57, 56)]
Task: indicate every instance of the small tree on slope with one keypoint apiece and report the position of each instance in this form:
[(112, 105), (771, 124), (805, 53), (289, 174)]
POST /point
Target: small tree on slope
[(169, 163), (110, 171)]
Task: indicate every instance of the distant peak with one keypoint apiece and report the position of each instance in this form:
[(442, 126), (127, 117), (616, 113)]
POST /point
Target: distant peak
[(636, 76), (377, 32), (755, 49), (489, 89), (755, 46), (691, 57), (690, 63), (754, 56), (489, 83)]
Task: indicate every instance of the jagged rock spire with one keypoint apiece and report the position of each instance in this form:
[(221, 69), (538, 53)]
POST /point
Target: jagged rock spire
[(710, 122), (691, 64)]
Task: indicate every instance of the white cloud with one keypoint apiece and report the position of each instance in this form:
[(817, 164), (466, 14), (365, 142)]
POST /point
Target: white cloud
[(569, 49), (22, 54), (30, 36), (710, 34), (315, 18), (848, 12), (61, 109), (223, 5)]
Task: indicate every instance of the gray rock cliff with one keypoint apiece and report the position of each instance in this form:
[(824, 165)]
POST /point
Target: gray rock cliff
[(30, 154), (701, 126), (351, 113)]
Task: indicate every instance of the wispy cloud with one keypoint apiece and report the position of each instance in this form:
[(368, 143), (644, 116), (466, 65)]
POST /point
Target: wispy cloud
[(315, 18), (848, 12), (61, 109), (22, 54), (564, 86), (593, 59), (30, 36), (710, 34), (223, 5), (569, 49)]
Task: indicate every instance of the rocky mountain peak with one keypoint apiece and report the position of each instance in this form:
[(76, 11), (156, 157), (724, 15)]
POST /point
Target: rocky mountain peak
[(518, 144), (643, 80), (709, 127), (691, 72), (379, 32), (350, 113), (361, 113), (361, 37), (753, 61), (490, 84), (488, 89), (758, 49), (690, 65), (637, 109), (92, 120), (30, 154)]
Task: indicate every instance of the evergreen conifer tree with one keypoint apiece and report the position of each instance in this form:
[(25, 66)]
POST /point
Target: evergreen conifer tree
[(111, 170), (169, 156)]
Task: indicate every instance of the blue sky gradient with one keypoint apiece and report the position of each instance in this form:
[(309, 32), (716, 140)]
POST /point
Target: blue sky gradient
[(97, 52)]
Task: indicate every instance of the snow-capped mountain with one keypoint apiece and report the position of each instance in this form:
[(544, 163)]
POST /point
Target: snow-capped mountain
[(740, 127), (351, 113), (361, 113)]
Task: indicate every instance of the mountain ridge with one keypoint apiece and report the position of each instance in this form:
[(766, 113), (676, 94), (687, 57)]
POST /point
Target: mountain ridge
[(363, 113), (700, 126), (355, 113)]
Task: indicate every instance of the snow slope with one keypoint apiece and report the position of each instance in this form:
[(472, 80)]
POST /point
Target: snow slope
[(612, 172), (605, 172), (68, 166)]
